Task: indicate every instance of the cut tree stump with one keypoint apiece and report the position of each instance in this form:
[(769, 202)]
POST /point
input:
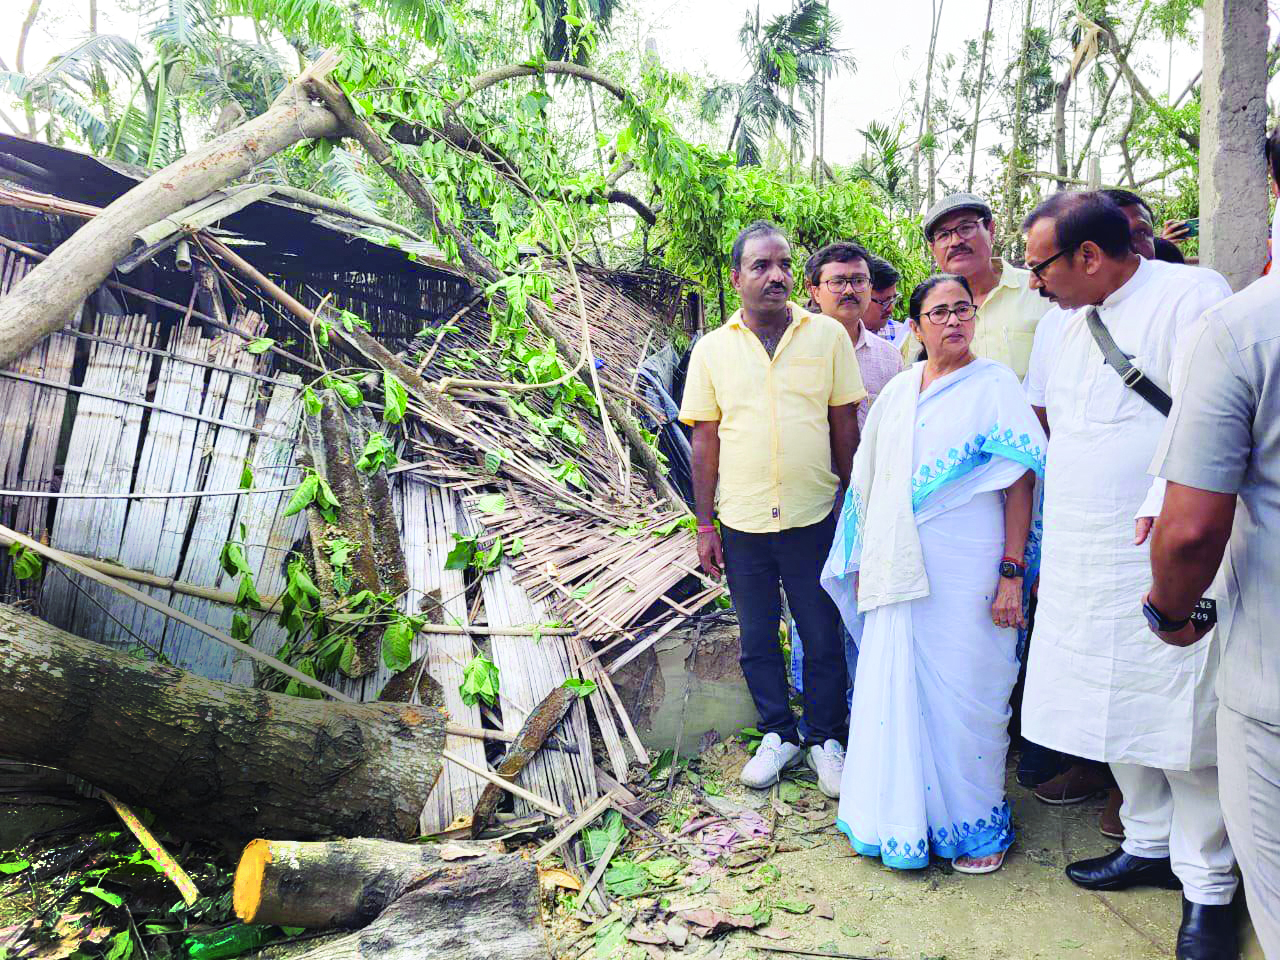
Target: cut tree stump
[(213, 759), (457, 900)]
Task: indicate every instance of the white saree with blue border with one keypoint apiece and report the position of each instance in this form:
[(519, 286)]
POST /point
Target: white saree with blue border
[(917, 550)]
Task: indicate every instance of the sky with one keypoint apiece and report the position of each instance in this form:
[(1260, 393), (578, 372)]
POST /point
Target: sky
[(888, 39)]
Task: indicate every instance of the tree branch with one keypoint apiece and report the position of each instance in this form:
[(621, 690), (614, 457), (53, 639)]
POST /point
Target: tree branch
[(1138, 87)]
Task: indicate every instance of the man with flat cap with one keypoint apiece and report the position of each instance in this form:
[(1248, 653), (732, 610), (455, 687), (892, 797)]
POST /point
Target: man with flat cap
[(959, 230)]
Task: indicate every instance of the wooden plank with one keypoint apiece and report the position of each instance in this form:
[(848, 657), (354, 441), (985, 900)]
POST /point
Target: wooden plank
[(30, 426), (428, 517), (269, 536), (528, 671), (155, 530), (100, 457), (220, 459)]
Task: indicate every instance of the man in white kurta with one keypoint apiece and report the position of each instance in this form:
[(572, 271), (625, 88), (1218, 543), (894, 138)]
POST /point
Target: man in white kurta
[(1099, 685)]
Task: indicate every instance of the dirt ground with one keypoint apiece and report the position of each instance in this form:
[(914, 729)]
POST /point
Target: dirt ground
[(1026, 911)]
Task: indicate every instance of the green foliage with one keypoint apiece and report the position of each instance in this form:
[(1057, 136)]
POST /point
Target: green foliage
[(378, 453), (26, 562), (395, 399), (479, 681), (583, 688), (313, 489)]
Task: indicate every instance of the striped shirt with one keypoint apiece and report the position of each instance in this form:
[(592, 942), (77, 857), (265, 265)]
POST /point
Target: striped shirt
[(879, 361)]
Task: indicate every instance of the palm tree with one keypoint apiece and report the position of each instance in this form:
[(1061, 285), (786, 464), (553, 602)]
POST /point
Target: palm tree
[(566, 25), (790, 54), (883, 165)]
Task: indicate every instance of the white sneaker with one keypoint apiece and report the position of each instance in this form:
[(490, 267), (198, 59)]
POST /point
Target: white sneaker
[(772, 757), (827, 761)]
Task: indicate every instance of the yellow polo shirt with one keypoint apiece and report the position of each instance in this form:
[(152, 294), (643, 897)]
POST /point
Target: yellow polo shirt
[(775, 438), (1006, 325)]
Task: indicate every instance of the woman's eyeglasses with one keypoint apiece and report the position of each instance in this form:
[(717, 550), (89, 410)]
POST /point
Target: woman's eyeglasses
[(940, 314)]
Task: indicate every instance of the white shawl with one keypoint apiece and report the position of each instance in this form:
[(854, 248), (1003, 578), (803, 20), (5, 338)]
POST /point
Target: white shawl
[(903, 475)]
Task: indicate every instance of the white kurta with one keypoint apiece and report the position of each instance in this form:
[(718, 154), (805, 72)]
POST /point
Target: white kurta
[(1099, 684)]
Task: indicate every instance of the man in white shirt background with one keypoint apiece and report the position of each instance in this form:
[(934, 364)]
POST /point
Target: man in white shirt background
[(1099, 685)]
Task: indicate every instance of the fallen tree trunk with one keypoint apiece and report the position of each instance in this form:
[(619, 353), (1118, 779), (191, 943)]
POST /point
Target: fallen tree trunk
[(41, 303), (456, 900), (213, 759)]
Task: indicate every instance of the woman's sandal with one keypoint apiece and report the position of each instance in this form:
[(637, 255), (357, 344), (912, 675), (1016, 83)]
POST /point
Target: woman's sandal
[(959, 868)]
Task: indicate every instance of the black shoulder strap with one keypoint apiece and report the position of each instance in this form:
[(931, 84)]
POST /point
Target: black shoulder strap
[(1118, 361)]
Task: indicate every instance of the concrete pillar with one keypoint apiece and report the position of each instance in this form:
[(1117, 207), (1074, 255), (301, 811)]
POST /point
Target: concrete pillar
[(1233, 116)]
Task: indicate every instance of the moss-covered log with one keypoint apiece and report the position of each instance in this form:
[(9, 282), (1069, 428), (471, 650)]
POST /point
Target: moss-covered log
[(213, 759)]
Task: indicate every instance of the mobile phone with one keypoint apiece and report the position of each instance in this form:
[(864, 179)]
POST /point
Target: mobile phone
[(1193, 227)]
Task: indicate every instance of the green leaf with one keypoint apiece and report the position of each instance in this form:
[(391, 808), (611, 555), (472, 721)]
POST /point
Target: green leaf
[(492, 503), (493, 462), (490, 557), (247, 592), (260, 345), (479, 682), (583, 688), (311, 402), (241, 627), (14, 866), (121, 947), (768, 873), (303, 495), (662, 869), (246, 476), (464, 549), (106, 896), (378, 452), (326, 502), (26, 563), (579, 593), (625, 878), (596, 839), (339, 550), (347, 656), (350, 321), (397, 650), (395, 399), (232, 559), (347, 391), (793, 906)]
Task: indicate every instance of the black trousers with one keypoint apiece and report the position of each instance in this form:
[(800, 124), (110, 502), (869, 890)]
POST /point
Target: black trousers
[(756, 565)]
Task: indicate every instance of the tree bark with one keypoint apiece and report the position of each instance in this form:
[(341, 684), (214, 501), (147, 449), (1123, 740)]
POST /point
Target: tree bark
[(213, 759), (1013, 181), (19, 61), (457, 900), (40, 303), (977, 95)]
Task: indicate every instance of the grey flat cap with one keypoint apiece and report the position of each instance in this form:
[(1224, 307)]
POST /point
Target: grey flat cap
[(952, 203)]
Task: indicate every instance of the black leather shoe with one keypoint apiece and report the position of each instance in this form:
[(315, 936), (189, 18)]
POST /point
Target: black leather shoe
[(1207, 932), (1120, 871)]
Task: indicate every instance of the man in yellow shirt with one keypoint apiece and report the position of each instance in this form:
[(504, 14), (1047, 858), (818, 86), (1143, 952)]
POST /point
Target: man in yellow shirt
[(959, 231), (772, 397)]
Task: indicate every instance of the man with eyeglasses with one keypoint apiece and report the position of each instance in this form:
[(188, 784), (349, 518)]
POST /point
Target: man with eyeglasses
[(1098, 684), (878, 317), (840, 283), (959, 231)]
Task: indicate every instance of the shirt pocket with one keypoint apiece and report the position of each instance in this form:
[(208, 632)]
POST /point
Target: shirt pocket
[(807, 378), (1109, 400)]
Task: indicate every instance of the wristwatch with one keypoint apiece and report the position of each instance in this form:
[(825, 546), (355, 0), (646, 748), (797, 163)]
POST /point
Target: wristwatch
[(1012, 568), (1159, 622)]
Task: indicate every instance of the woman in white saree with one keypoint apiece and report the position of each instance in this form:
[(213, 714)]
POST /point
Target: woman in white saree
[(933, 544)]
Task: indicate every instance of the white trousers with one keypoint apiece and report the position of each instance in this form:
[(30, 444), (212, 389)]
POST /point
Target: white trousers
[(1249, 755), (1177, 814)]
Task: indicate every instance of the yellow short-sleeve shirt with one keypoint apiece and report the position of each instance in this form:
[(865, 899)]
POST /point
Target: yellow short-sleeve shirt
[(775, 438), (1006, 323)]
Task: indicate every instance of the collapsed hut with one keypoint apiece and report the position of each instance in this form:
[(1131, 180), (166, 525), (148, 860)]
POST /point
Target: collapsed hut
[(183, 404)]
